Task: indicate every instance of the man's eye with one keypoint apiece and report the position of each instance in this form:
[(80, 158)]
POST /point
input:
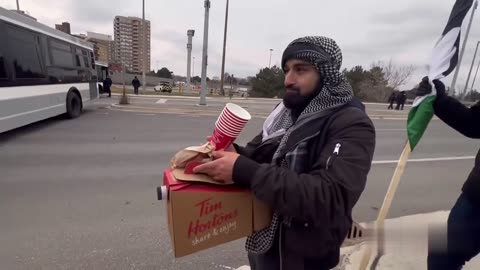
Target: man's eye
[(301, 70)]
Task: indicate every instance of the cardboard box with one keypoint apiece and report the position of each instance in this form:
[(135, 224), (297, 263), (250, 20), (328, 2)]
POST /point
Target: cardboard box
[(202, 215)]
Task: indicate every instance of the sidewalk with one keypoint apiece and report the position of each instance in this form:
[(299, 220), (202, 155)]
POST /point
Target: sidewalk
[(406, 245)]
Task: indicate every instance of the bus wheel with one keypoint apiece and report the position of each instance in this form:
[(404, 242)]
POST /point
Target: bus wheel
[(74, 105)]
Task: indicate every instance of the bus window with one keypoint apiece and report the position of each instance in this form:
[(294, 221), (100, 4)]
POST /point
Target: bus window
[(3, 72), (24, 53), (62, 58), (77, 58)]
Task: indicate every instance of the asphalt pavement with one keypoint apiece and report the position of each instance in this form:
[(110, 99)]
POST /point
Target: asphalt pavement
[(80, 194)]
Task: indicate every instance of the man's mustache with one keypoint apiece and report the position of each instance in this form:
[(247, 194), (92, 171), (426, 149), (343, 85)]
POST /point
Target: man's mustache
[(293, 89)]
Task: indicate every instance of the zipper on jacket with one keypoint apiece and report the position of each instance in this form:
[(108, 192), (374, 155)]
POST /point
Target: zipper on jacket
[(335, 153)]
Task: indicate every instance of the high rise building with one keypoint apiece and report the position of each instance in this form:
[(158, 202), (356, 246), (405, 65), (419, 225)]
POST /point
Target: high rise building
[(129, 44), (64, 27)]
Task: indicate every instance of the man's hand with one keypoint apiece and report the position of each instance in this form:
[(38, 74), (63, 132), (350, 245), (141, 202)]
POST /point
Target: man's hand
[(221, 168), (425, 88)]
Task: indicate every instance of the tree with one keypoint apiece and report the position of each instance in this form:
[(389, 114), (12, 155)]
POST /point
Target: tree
[(369, 85), (355, 76), (165, 73), (269, 82), (196, 79), (375, 86), (396, 76)]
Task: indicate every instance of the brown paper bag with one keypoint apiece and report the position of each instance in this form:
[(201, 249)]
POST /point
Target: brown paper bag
[(199, 153)]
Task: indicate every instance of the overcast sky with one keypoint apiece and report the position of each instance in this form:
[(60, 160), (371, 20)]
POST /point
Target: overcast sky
[(367, 31)]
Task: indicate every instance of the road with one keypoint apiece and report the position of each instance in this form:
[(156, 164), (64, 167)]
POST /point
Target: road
[(80, 194)]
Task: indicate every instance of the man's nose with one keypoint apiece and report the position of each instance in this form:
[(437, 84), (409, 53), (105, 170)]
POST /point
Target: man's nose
[(289, 80)]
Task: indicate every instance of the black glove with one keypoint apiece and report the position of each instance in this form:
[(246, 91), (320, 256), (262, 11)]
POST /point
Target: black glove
[(440, 87), (425, 88)]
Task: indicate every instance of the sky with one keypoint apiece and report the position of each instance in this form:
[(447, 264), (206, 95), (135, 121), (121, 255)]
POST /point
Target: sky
[(367, 31)]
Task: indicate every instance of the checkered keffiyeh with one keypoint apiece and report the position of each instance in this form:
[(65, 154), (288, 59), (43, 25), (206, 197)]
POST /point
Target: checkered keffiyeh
[(326, 56)]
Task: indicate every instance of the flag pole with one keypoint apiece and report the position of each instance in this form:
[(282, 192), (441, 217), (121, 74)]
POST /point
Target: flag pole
[(387, 203)]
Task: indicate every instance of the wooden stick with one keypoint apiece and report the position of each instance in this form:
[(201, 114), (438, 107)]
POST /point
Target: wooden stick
[(387, 203)]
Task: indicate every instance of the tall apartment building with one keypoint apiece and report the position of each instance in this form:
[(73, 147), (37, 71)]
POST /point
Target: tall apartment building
[(129, 44)]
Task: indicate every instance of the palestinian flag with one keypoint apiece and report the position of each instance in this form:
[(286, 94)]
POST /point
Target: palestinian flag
[(443, 62)]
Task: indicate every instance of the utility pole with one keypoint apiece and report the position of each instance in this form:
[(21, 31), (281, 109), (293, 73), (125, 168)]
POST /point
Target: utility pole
[(144, 54), (190, 34), (18, 6), (203, 94), (222, 76), (270, 61), (475, 77), (460, 58), (470, 72)]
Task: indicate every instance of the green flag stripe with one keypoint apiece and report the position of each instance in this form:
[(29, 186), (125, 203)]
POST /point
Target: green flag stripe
[(418, 120)]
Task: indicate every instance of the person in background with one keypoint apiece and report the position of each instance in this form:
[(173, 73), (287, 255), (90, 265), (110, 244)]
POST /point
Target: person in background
[(463, 231), (401, 99), (309, 163), (391, 100), (136, 85), (107, 84)]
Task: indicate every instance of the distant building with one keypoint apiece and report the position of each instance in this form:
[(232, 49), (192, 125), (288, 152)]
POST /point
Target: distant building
[(103, 46), (64, 27), (129, 44)]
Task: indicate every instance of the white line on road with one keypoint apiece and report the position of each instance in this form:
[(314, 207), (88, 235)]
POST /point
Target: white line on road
[(161, 101), (379, 162), (223, 266)]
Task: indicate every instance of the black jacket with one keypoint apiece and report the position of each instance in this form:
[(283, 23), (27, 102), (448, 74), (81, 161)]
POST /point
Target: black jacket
[(466, 121), (321, 198), (107, 83), (136, 83)]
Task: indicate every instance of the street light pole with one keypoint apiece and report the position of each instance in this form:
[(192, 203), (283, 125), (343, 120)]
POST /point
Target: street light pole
[(470, 72), (222, 76), (475, 77), (270, 61), (203, 94), (460, 58), (193, 67), (18, 6), (144, 55)]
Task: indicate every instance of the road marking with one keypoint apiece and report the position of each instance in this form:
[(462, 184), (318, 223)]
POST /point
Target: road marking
[(161, 101), (223, 266), (147, 114), (379, 162)]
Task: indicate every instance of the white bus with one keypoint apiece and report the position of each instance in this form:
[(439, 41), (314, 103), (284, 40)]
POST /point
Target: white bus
[(43, 72)]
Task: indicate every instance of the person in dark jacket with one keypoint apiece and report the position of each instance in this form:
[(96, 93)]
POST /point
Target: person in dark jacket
[(309, 163), (391, 100), (136, 85), (401, 99), (463, 230), (107, 84)]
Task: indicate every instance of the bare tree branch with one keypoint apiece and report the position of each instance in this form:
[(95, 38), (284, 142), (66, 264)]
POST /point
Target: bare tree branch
[(396, 75)]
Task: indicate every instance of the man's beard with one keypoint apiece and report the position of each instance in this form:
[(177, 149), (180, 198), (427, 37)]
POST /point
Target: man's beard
[(294, 100)]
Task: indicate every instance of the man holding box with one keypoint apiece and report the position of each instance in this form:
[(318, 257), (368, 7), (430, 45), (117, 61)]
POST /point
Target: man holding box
[(309, 163)]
